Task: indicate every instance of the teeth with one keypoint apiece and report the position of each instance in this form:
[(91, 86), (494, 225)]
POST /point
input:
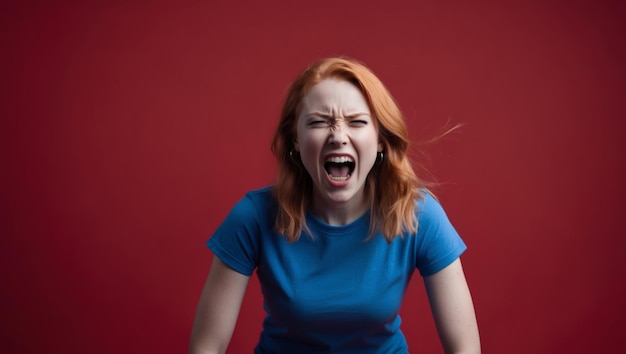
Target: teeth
[(339, 159)]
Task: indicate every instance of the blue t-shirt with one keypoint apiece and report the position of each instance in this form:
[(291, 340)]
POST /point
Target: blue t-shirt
[(334, 292)]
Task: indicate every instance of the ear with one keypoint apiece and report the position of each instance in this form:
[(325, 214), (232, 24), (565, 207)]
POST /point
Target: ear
[(381, 147), (296, 146)]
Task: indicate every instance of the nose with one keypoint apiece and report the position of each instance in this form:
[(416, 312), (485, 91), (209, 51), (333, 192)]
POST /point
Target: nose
[(338, 135)]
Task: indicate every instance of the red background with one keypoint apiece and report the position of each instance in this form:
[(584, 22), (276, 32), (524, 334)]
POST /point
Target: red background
[(129, 129)]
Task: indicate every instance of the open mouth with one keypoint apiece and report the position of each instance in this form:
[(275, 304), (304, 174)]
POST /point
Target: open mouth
[(339, 168)]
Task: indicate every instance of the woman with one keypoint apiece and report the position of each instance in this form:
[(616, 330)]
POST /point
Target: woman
[(337, 238)]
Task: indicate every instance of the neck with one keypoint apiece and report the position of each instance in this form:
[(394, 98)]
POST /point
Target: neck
[(339, 213)]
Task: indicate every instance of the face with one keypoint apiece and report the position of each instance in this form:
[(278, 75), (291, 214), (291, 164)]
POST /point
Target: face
[(338, 142)]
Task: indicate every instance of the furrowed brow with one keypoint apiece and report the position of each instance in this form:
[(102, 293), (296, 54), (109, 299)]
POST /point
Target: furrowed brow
[(331, 117), (319, 114), (356, 114)]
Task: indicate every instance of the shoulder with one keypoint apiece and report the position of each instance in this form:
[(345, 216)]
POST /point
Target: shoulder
[(256, 209), (433, 225), (237, 241), (255, 202), (428, 208), (264, 195), (438, 242)]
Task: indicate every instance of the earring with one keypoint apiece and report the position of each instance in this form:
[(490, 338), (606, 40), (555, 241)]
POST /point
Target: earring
[(295, 156), (379, 157)]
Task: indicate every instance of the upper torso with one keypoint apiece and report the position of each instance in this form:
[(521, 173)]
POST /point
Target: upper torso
[(334, 292)]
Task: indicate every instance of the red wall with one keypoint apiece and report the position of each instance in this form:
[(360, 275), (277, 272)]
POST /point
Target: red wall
[(127, 131)]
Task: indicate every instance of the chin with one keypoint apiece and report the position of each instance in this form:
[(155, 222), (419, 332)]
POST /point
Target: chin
[(342, 196)]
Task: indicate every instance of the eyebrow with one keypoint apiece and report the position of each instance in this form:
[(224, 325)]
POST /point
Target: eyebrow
[(327, 116)]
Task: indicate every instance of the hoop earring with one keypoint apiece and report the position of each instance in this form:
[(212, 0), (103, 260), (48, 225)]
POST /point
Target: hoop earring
[(379, 157)]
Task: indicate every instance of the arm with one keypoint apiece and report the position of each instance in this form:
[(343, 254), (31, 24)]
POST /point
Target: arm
[(451, 304), (218, 309)]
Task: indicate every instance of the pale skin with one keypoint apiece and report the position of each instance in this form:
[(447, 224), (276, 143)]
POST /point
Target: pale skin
[(335, 120), (453, 309), (217, 310)]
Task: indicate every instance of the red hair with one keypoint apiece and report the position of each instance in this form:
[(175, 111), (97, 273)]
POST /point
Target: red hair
[(391, 186)]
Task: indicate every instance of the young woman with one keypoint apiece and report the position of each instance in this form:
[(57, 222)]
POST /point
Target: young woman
[(336, 240)]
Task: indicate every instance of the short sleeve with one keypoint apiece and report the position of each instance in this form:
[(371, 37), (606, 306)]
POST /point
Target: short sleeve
[(438, 243), (236, 241)]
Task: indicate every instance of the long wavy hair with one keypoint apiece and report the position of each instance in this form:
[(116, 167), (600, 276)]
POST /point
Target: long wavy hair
[(392, 186)]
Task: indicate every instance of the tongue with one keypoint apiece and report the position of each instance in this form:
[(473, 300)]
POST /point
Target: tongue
[(339, 170)]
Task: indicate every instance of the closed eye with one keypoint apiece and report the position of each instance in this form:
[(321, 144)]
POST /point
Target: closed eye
[(317, 122), (358, 122)]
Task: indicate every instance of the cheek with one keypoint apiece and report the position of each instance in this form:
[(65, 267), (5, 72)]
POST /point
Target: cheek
[(367, 139), (310, 148), (307, 153), (370, 147), (310, 143)]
